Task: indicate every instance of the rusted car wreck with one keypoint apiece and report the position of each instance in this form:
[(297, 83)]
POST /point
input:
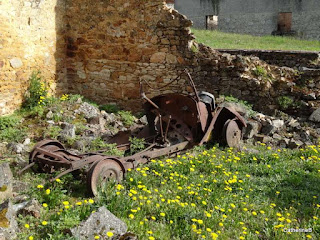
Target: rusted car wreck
[(176, 122)]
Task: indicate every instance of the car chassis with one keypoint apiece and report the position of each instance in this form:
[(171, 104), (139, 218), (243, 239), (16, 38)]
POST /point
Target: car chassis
[(176, 122)]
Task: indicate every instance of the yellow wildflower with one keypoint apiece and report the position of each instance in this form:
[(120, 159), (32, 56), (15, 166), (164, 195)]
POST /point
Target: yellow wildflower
[(109, 234)]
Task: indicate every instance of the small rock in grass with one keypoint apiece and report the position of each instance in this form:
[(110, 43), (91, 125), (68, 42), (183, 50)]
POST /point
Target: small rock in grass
[(99, 223), (27, 141), (69, 131), (49, 115), (295, 144), (16, 147), (88, 110), (6, 181), (251, 129), (8, 223), (283, 143), (315, 116)]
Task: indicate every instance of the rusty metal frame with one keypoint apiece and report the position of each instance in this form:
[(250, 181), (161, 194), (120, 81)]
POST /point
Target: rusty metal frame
[(175, 114)]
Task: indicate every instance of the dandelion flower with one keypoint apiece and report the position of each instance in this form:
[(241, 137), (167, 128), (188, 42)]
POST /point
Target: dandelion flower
[(214, 236), (45, 205), (162, 214), (58, 180), (44, 223), (30, 238), (48, 191), (109, 234), (27, 226), (96, 237), (40, 186)]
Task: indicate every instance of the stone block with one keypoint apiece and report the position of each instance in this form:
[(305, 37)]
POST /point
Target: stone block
[(16, 62)]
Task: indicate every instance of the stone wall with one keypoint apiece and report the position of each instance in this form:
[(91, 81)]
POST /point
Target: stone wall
[(112, 45), (254, 17), (261, 17), (28, 42), (103, 49), (294, 59)]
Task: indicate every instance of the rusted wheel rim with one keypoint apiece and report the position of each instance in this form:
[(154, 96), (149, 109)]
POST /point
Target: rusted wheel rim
[(102, 172), (50, 145), (232, 134)]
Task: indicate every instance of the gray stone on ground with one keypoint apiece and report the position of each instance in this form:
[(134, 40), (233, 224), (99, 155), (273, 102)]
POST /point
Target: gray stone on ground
[(283, 143), (27, 141), (251, 129), (268, 129), (88, 110), (49, 115), (276, 136), (143, 120), (6, 180), (109, 117), (315, 116), (99, 223), (305, 136), (8, 223), (31, 207), (295, 144), (309, 96), (16, 62), (294, 123), (278, 123), (16, 147), (68, 131), (263, 139)]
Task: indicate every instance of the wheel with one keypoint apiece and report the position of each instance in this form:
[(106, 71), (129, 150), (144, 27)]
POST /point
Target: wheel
[(49, 145), (231, 134), (102, 172)]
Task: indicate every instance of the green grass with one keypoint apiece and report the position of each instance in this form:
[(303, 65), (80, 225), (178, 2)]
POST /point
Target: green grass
[(216, 39), (204, 194)]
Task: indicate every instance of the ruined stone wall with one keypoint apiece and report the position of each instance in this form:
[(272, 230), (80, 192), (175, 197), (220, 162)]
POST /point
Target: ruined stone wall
[(112, 45), (102, 49), (294, 59), (28, 42)]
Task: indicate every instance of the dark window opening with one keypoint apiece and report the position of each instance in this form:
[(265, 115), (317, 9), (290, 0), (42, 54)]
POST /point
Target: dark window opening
[(211, 22)]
